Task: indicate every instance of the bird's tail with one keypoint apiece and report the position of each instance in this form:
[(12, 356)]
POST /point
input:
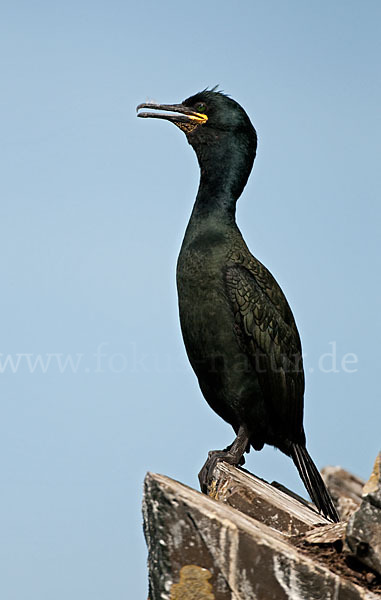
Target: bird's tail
[(313, 482)]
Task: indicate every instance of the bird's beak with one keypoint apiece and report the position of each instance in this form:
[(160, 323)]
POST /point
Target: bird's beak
[(180, 114)]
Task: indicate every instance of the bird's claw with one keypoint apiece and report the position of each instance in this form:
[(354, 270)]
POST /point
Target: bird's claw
[(205, 476)]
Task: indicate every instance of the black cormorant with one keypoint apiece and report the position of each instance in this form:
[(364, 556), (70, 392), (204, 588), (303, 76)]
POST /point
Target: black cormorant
[(239, 332)]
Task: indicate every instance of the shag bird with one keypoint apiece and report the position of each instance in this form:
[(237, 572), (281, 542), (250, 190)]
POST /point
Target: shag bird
[(239, 332)]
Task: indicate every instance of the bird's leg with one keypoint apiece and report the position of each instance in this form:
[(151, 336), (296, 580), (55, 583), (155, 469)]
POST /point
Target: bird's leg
[(233, 455)]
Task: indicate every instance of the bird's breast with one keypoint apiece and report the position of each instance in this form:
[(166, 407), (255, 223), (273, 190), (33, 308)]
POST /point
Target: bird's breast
[(205, 310), (207, 322), (200, 267)]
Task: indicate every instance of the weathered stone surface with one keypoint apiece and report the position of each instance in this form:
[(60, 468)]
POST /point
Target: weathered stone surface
[(263, 502), (193, 584), (346, 490), (328, 534), (363, 536), (226, 554)]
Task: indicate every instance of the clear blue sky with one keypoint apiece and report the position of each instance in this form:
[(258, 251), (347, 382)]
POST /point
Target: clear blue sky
[(94, 203)]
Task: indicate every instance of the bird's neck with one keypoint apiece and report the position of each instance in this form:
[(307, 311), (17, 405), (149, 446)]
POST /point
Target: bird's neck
[(224, 173), (213, 204), (213, 211)]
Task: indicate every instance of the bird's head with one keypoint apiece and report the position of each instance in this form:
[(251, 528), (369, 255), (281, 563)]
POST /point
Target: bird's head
[(203, 116), (216, 126)]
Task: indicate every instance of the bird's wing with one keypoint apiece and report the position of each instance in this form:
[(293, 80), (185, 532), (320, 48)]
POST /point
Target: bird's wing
[(267, 331)]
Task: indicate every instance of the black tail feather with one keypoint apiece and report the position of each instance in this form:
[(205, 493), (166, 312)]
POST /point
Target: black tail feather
[(313, 482)]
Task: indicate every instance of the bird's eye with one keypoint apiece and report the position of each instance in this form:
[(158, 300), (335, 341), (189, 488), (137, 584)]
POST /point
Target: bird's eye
[(201, 107)]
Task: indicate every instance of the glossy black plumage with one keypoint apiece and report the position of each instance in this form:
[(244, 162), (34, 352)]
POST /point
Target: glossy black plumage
[(238, 329)]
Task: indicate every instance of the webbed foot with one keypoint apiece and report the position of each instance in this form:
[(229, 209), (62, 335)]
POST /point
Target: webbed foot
[(233, 455)]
